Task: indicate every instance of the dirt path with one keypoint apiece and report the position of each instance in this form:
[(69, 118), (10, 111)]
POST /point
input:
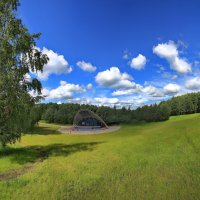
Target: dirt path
[(11, 174)]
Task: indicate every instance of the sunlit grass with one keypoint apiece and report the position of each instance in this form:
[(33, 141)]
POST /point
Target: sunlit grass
[(145, 161)]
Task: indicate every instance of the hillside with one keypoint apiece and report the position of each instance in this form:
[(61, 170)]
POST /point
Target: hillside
[(144, 161)]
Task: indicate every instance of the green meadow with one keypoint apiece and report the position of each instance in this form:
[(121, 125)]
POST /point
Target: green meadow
[(142, 161)]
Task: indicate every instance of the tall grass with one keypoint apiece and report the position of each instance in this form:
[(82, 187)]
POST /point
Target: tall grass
[(144, 161)]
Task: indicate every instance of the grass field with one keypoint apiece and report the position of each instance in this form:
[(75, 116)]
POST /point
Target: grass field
[(144, 161)]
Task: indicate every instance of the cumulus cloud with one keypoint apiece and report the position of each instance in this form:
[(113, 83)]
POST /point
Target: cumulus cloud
[(135, 90), (98, 101), (56, 65), (171, 89), (152, 91), (63, 92), (89, 86), (113, 78), (123, 92), (132, 102), (105, 100), (181, 65), (86, 66), (147, 90), (139, 62), (44, 92), (193, 84), (169, 51), (81, 100), (166, 50)]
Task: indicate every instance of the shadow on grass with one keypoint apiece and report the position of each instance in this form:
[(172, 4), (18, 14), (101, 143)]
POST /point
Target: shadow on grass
[(32, 154), (45, 130)]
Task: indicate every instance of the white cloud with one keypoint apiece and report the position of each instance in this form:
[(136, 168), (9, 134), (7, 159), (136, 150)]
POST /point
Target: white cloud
[(89, 86), (171, 89), (124, 92), (76, 100), (86, 66), (98, 101), (45, 92), (148, 90), (139, 62), (81, 100), (152, 91), (161, 67), (169, 51), (113, 78), (135, 90), (126, 55), (166, 50), (27, 78), (56, 65), (134, 102), (168, 75), (181, 65), (193, 84), (105, 100), (63, 92)]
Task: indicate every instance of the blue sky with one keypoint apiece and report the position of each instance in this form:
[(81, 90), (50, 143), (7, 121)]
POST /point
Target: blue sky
[(122, 52)]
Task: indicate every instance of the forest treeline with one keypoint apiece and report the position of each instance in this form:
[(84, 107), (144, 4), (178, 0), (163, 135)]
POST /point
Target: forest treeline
[(185, 104), (64, 113)]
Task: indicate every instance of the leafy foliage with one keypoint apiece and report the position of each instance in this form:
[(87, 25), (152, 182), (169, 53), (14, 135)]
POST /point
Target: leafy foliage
[(185, 104), (18, 56)]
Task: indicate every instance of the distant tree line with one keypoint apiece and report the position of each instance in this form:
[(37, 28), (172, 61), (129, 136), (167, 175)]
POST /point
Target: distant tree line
[(64, 113), (185, 104)]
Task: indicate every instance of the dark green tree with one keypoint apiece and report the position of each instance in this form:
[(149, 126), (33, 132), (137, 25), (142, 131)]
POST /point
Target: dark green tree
[(18, 56)]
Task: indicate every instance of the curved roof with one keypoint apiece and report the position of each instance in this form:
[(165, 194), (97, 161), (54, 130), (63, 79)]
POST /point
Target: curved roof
[(85, 114)]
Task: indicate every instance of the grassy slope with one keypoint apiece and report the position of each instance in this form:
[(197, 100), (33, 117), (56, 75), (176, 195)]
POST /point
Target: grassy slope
[(149, 161)]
